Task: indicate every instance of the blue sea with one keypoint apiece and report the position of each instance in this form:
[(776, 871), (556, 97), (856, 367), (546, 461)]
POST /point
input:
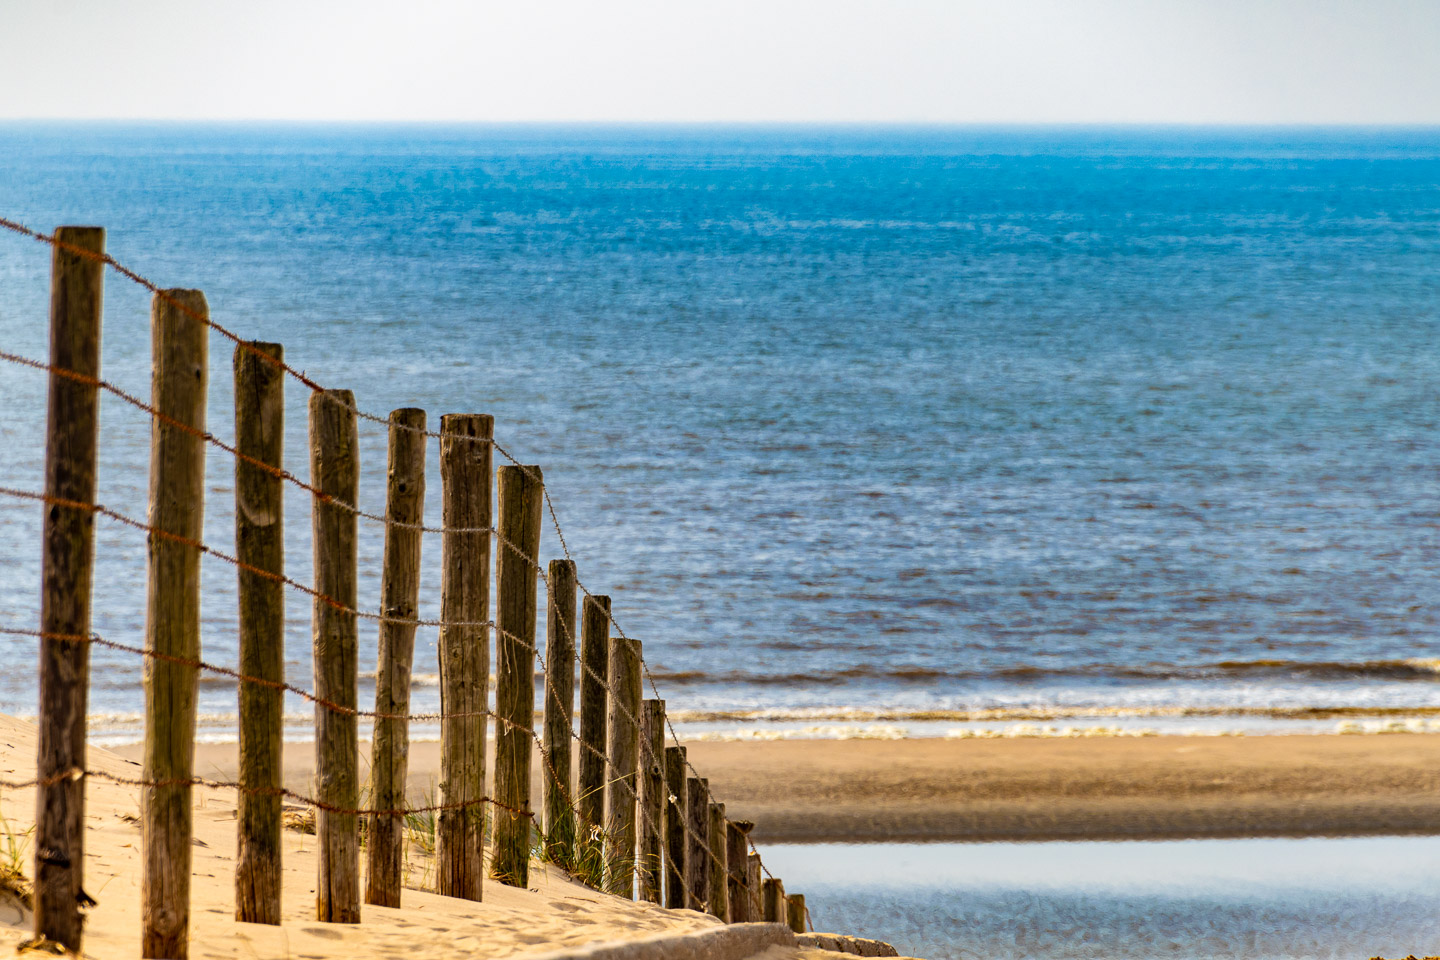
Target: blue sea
[(868, 432)]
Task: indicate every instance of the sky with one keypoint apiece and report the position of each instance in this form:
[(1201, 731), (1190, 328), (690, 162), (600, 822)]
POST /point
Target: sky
[(815, 61)]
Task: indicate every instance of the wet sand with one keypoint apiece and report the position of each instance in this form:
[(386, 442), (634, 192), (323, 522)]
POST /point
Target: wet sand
[(1040, 789)]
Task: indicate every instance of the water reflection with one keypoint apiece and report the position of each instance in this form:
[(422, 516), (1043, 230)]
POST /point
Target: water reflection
[(1250, 898)]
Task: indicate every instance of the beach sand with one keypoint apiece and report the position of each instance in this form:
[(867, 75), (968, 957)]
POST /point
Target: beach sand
[(555, 914), (1042, 788)]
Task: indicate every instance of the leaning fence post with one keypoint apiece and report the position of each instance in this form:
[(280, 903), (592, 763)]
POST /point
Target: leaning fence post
[(737, 888), (774, 896), (651, 781), (795, 911), (517, 566), (676, 848), (719, 904), (400, 599), (464, 647), (697, 852), (335, 472), (594, 666), (179, 372), (259, 546), (623, 737), (67, 561), (560, 627)]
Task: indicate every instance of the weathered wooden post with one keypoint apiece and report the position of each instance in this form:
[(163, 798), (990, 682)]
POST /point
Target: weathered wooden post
[(400, 599), (774, 897), (651, 779), (67, 564), (335, 472), (180, 366), (737, 888), (594, 667), (795, 911), (676, 848), (719, 904), (752, 886), (623, 737), (697, 849), (560, 631), (517, 565), (464, 647), (259, 546)]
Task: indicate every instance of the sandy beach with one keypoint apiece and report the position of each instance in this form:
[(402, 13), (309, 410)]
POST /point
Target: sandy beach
[(556, 915), (1038, 789)]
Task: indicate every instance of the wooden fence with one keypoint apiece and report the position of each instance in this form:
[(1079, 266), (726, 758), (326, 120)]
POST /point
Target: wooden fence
[(635, 818)]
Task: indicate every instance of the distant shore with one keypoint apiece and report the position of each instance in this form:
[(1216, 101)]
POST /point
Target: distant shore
[(1037, 789)]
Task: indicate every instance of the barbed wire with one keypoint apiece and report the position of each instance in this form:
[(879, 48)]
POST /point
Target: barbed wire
[(530, 472)]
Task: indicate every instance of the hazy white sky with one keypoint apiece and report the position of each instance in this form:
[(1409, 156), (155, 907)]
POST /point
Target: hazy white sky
[(1202, 61)]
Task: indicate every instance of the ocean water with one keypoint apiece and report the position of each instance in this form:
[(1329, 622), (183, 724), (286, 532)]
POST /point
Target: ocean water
[(862, 429), (1256, 899)]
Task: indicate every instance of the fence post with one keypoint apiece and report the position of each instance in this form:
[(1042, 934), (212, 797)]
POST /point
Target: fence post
[(774, 895), (651, 778), (719, 905), (736, 886), (67, 561), (179, 373), (259, 545), (594, 667), (623, 737), (517, 567), (697, 851), (464, 651), (676, 806), (795, 911), (560, 628), (752, 887), (400, 598), (335, 471)]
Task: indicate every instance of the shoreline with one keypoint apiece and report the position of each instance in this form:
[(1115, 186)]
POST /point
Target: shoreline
[(1148, 788)]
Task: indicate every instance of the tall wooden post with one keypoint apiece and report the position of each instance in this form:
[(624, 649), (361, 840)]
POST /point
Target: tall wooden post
[(560, 632), (676, 809), (752, 887), (180, 367), (773, 894), (594, 667), (517, 567), (259, 545), (651, 778), (399, 598), (67, 562), (465, 457), (623, 738), (335, 472), (795, 911), (697, 848), (737, 888), (719, 903)]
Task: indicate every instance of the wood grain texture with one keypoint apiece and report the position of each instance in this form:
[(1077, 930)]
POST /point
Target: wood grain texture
[(67, 565), (737, 884), (465, 479), (594, 668), (773, 900), (335, 471), (516, 572), (259, 544), (697, 842), (561, 631), (676, 809), (719, 903), (622, 737), (400, 598), (180, 365), (650, 821)]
